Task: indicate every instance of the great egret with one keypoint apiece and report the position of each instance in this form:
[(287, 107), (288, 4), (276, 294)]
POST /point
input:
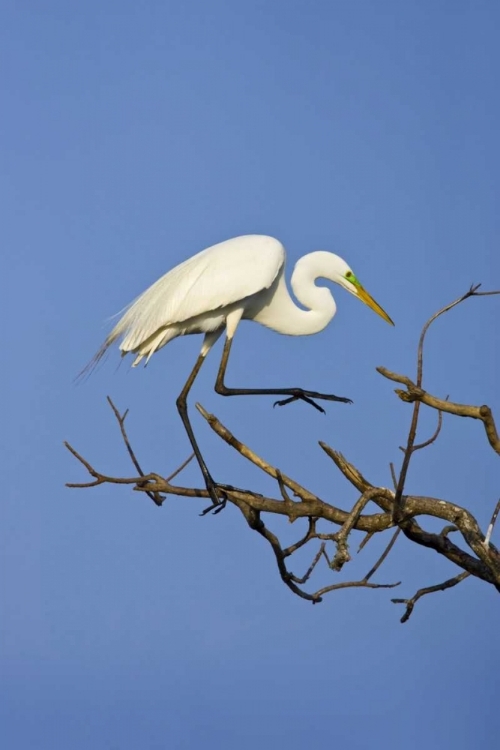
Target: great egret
[(241, 278)]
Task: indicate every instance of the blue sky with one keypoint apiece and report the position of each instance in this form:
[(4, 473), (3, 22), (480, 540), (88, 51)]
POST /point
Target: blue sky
[(134, 135)]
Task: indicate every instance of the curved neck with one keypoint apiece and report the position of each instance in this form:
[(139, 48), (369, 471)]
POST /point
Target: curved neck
[(283, 315)]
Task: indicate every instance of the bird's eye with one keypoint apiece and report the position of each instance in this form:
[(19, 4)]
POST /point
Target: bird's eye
[(349, 275)]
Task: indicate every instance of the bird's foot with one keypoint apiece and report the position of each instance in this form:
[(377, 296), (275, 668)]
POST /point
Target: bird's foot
[(218, 494), (218, 505), (297, 394)]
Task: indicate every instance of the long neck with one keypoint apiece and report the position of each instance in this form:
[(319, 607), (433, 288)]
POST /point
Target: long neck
[(282, 314)]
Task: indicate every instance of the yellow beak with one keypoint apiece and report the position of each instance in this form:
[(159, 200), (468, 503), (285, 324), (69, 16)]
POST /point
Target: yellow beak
[(368, 300)]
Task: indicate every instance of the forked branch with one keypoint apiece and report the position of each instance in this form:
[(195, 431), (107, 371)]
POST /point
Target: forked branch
[(410, 603)]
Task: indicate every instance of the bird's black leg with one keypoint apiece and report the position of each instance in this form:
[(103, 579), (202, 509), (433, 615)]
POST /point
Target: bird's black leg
[(218, 502), (292, 394)]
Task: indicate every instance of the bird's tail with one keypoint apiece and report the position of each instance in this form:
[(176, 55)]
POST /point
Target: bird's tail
[(91, 366), (150, 345)]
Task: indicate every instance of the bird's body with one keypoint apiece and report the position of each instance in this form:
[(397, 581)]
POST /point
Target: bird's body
[(241, 278), (198, 295)]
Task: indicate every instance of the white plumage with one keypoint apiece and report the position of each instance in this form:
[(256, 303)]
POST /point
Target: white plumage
[(196, 296), (242, 274)]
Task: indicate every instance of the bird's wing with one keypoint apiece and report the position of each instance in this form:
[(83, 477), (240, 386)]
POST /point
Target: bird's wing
[(216, 277)]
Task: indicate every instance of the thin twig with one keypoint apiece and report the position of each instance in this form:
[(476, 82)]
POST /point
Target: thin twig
[(180, 468), (369, 535), (420, 356), (410, 443), (255, 522), (433, 437), (383, 556), (352, 584), (310, 569), (120, 418), (310, 534), (157, 499), (393, 475), (410, 603), (416, 394), (102, 478)]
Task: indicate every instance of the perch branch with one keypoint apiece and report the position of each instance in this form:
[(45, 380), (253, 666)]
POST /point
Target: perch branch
[(311, 505)]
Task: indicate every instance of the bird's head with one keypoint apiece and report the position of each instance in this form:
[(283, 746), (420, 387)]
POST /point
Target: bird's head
[(348, 279)]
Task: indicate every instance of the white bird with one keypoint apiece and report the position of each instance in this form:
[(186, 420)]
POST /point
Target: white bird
[(241, 278)]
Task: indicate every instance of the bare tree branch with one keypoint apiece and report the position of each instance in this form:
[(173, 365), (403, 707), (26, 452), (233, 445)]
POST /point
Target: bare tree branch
[(434, 436), (342, 554), (410, 603), (319, 554), (311, 505), (472, 551), (353, 584), (383, 556), (180, 468), (414, 393), (120, 418), (412, 434)]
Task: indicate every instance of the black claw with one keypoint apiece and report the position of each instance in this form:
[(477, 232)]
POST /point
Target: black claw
[(220, 507), (218, 494), (285, 401), (218, 502), (313, 403), (216, 507)]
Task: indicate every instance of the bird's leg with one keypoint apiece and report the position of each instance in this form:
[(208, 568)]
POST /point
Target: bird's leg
[(218, 502), (292, 394)]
